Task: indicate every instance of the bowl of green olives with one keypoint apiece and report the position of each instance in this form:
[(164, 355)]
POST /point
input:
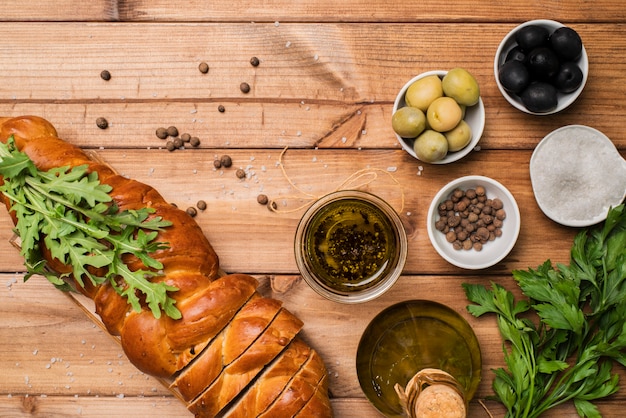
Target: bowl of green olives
[(439, 116), (541, 67), (473, 222)]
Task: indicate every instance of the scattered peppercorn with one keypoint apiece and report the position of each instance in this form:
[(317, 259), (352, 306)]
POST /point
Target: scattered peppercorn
[(262, 199), (254, 61), (203, 67), (102, 123), (161, 133), (185, 137), (191, 211), (172, 131), (226, 161), (245, 87), (105, 75), (217, 164), (221, 108), (201, 205), (170, 145), (178, 143), (194, 141), (240, 173)]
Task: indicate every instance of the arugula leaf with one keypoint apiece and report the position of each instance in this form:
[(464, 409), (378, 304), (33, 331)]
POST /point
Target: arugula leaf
[(581, 327), (72, 212)]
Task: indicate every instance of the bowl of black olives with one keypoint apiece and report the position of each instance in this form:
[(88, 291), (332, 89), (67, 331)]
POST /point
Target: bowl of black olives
[(541, 67)]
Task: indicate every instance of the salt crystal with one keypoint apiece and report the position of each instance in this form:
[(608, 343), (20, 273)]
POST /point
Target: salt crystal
[(288, 44)]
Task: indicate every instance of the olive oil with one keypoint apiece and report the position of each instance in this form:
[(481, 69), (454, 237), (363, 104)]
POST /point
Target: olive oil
[(351, 245), (409, 337)]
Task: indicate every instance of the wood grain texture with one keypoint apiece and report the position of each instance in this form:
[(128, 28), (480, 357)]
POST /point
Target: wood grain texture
[(328, 75)]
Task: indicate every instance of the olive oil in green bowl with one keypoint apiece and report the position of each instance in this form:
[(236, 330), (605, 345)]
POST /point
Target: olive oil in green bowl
[(411, 336), (350, 246)]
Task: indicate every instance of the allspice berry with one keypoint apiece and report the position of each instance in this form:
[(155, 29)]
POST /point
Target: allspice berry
[(161, 133), (194, 141), (172, 131), (201, 205), (191, 211), (262, 199), (226, 161), (240, 173), (102, 123), (203, 67), (244, 87)]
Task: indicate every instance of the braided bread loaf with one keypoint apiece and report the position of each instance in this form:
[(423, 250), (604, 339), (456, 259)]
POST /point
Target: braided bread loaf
[(233, 352)]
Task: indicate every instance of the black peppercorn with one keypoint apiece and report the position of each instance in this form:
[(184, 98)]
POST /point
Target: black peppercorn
[(221, 108), (102, 123), (185, 137), (201, 205), (194, 141), (245, 87), (178, 143), (191, 211), (217, 164), (226, 161), (105, 75), (254, 61), (240, 173), (161, 133), (203, 67), (172, 131), (170, 145)]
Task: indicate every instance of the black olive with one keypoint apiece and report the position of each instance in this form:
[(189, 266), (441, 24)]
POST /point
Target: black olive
[(566, 43), (543, 63), (569, 77), (515, 54), (513, 76), (539, 97), (531, 37)]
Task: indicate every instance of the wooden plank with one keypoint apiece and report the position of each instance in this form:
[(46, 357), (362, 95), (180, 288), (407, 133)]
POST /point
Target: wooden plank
[(314, 63), (313, 11), (260, 125), (236, 224), (59, 10)]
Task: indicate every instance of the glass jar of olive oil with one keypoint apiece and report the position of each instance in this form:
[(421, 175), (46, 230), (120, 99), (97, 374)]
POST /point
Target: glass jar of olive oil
[(350, 246)]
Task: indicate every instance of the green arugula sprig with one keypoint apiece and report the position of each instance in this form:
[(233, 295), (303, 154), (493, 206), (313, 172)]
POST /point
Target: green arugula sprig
[(568, 354), (81, 227)]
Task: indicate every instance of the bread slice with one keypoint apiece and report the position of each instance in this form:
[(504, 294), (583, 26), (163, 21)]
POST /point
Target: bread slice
[(299, 389), (245, 327), (270, 384), (237, 375)]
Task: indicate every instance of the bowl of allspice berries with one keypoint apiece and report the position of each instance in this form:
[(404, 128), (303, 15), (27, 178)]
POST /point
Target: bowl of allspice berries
[(473, 222)]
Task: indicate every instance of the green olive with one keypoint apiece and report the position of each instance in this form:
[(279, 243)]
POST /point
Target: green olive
[(408, 122), (431, 146)]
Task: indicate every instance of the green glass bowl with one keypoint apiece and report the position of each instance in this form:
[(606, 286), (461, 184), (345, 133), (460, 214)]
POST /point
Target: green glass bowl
[(408, 337)]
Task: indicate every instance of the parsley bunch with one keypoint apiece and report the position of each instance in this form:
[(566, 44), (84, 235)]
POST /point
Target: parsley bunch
[(81, 227), (581, 329)]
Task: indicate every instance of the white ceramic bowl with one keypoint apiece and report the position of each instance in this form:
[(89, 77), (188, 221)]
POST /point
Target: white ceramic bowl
[(564, 100), (474, 116), (577, 174), (492, 251)]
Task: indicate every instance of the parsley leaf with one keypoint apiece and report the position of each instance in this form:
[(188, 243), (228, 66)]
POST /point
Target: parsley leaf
[(72, 213), (580, 331)]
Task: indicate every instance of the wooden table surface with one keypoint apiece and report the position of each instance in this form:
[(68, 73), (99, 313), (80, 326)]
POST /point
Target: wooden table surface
[(328, 74)]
